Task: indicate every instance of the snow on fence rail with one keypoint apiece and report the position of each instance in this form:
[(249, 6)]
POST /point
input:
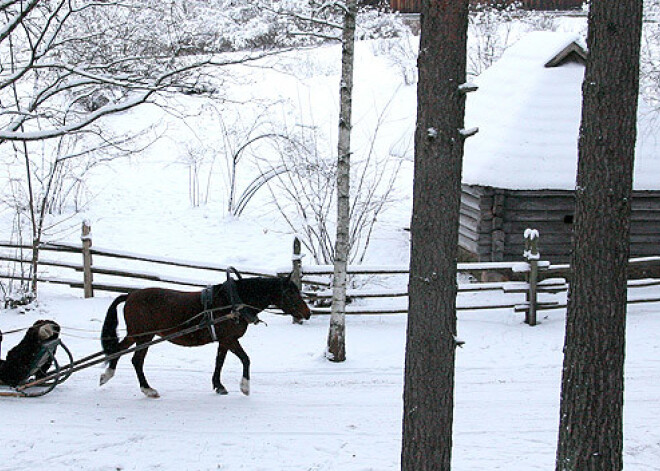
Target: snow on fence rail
[(533, 277), (89, 269), (528, 268)]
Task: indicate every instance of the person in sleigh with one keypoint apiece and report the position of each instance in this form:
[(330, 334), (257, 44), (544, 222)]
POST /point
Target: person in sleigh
[(20, 359)]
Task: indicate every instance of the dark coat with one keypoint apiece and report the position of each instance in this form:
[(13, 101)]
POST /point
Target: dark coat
[(16, 367)]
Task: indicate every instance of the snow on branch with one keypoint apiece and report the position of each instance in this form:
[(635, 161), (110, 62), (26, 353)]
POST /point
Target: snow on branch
[(311, 18), (326, 37), (76, 126), (468, 87), (13, 131), (16, 20), (468, 132)]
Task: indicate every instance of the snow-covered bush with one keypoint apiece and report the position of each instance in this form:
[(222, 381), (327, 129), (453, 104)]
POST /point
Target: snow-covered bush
[(489, 34), (402, 53), (305, 187), (375, 23)]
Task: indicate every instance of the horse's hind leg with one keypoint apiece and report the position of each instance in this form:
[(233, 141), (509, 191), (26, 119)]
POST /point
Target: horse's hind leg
[(112, 364), (138, 364), (219, 361), (235, 347)]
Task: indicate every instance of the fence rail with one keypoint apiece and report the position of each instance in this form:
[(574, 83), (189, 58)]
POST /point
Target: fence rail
[(534, 278), (89, 269)]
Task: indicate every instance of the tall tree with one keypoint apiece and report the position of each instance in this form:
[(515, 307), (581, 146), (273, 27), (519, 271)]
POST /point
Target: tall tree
[(336, 333), (322, 17), (591, 422), (439, 135)]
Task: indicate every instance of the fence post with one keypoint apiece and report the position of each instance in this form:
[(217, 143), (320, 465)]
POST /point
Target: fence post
[(296, 272), (87, 259), (532, 256), (296, 260)]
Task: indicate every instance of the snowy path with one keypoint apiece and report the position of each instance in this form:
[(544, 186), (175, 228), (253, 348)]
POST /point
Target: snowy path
[(308, 414)]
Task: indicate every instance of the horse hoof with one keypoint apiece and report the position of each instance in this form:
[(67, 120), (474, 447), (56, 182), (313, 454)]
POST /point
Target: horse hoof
[(221, 390), (245, 386), (150, 392), (106, 376)]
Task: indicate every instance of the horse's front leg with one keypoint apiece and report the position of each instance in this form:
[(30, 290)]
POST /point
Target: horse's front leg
[(138, 364), (236, 349), (219, 361)]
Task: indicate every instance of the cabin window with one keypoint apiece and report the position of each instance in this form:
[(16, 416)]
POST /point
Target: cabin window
[(568, 219)]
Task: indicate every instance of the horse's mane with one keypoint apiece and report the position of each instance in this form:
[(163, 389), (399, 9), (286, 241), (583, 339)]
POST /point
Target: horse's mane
[(256, 290)]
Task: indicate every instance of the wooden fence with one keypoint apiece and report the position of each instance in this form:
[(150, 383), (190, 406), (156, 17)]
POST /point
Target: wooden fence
[(88, 253), (522, 286), (526, 271), (532, 277)]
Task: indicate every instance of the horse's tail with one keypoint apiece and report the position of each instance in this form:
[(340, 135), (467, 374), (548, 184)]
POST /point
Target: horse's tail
[(109, 339)]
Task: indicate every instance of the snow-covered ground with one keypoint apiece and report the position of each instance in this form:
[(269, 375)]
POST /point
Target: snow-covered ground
[(304, 413)]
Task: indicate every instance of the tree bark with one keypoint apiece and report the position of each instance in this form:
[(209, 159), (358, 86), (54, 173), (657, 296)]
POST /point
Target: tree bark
[(430, 349), (591, 411), (336, 335)]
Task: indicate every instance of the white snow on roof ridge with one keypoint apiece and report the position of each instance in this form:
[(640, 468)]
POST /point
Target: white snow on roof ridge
[(529, 117)]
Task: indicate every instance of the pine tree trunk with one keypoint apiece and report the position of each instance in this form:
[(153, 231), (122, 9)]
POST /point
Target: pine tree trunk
[(591, 412), (430, 349), (336, 334)]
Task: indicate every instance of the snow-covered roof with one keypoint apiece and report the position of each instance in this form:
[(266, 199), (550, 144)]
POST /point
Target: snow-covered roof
[(528, 110)]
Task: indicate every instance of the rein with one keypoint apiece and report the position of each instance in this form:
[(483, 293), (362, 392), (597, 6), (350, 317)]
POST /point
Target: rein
[(237, 307), (206, 312), (14, 331)]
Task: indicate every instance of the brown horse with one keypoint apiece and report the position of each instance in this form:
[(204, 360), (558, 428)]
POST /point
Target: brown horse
[(156, 311)]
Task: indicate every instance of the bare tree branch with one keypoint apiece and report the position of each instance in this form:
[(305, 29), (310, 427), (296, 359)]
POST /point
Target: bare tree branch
[(12, 132), (16, 20)]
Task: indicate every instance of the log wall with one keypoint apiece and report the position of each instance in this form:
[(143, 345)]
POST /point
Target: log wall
[(493, 222)]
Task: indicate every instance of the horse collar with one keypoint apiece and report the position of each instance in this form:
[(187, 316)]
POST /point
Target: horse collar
[(237, 306), (207, 297), (207, 305)]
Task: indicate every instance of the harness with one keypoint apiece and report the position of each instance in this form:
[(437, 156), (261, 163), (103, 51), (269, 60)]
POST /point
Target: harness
[(207, 306), (237, 307)]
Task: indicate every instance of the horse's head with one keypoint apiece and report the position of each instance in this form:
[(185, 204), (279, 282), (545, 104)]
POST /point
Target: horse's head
[(291, 301)]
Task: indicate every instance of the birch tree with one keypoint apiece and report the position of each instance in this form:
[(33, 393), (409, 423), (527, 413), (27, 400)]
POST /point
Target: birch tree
[(431, 337), (336, 335), (321, 16), (591, 411)]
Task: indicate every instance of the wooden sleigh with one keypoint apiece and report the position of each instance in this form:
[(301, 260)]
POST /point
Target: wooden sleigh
[(46, 371)]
